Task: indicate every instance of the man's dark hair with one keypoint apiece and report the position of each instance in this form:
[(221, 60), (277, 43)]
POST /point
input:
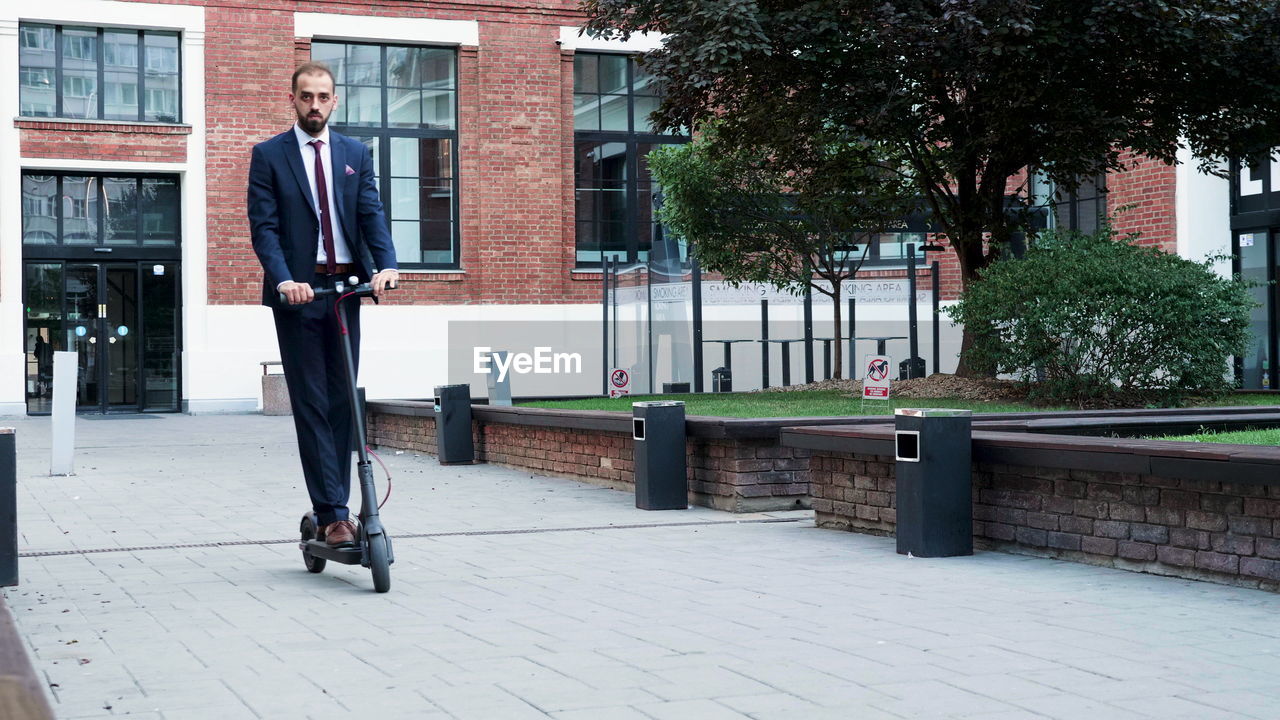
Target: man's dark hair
[(311, 68)]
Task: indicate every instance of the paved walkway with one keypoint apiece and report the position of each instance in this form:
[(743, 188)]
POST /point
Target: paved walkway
[(532, 597)]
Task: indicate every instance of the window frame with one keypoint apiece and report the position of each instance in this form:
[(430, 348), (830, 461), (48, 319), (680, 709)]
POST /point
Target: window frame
[(632, 140), (59, 112), (385, 132), (100, 249), (1062, 208)]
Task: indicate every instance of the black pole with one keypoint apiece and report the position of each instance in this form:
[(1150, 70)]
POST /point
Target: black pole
[(764, 343), (604, 303), (808, 334), (912, 329), (852, 334), (697, 326), (937, 333), (613, 280), (648, 320)]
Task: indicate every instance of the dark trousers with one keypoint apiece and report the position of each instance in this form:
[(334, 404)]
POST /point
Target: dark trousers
[(311, 352)]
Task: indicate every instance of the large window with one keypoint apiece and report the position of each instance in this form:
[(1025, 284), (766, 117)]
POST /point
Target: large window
[(401, 101), (70, 210), (614, 194), (98, 73), (1083, 209)]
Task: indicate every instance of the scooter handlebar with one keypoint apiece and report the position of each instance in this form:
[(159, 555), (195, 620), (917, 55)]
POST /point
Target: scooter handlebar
[(356, 289)]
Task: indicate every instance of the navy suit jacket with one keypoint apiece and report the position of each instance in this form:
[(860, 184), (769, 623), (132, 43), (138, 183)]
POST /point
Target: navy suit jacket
[(285, 224)]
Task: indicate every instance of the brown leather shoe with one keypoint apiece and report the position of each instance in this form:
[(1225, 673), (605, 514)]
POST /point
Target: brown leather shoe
[(340, 533)]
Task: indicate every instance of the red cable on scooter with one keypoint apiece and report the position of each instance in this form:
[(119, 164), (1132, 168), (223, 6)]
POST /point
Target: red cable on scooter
[(341, 325)]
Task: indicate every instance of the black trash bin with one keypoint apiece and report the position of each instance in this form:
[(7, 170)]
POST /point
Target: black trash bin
[(453, 424), (911, 368), (660, 465), (722, 380), (934, 482)]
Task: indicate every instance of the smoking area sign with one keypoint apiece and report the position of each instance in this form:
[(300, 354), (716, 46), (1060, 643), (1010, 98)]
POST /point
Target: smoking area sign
[(619, 382), (875, 380)]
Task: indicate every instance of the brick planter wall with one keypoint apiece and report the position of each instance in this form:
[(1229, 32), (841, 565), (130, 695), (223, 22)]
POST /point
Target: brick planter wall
[(736, 475), (1202, 529), (741, 475)]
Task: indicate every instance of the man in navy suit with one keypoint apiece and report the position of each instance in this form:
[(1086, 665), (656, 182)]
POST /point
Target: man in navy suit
[(316, 219)]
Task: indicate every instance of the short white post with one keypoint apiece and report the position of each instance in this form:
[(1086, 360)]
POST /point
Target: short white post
[(64, 413), (499, 389)]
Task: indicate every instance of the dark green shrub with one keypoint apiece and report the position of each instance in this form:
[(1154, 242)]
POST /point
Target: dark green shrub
[(1093, 320)]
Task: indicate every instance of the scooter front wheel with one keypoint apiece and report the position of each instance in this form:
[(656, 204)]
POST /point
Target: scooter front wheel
[(314, 564), (379, 562)]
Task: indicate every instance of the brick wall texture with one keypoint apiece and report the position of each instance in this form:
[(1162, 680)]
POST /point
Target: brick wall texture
[(102, 141), (1141, 200), (1211, 530), (731, 475)]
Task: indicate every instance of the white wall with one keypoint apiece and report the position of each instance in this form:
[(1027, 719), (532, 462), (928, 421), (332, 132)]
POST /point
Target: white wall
[(402, 349), (1203, 206)]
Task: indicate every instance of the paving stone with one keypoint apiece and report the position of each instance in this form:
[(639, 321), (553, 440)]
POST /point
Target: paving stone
[(690, 710)]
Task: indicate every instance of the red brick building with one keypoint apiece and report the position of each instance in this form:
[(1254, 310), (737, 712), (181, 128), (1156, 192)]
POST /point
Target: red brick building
[(511, 162)]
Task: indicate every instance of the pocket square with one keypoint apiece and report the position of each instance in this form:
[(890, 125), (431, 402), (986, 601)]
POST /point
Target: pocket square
[(350, 171)]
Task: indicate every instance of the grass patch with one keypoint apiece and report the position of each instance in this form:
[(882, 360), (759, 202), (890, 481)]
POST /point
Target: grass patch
[(836, 403), (1268, 436), (800, 403)]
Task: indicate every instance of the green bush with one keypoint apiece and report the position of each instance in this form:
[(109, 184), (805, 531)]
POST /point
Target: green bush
[(1093, 320)]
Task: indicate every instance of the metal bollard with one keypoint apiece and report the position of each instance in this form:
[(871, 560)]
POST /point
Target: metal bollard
[(934, 482), (8, 508), (453, 424), (660, 463), (62, 449), (499, 389)]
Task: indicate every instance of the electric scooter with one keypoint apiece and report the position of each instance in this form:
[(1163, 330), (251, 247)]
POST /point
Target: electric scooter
[(373, 543)]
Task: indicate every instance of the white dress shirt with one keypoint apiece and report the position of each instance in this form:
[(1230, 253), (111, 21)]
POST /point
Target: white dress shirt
[(341, 252)]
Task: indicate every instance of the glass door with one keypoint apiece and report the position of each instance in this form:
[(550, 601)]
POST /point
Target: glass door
[(120, 325), (121, 321), (83, 330)]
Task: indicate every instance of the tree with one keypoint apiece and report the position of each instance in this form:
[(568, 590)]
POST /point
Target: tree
[(972, 92), (1102, 321), (790, 216)]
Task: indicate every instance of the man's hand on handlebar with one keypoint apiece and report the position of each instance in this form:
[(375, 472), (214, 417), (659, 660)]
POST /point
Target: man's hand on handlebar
[(296, 293), (387, 279)]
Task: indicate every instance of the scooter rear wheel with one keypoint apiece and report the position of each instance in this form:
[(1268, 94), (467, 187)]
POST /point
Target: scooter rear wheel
[(379, 562), (314, 564)]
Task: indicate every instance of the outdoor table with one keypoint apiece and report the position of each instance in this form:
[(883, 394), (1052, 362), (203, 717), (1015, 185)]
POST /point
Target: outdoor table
[(728, 344), (786, 355)]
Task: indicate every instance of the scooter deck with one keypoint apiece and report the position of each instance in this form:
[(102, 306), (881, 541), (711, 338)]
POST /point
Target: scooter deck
[(352, 555)]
